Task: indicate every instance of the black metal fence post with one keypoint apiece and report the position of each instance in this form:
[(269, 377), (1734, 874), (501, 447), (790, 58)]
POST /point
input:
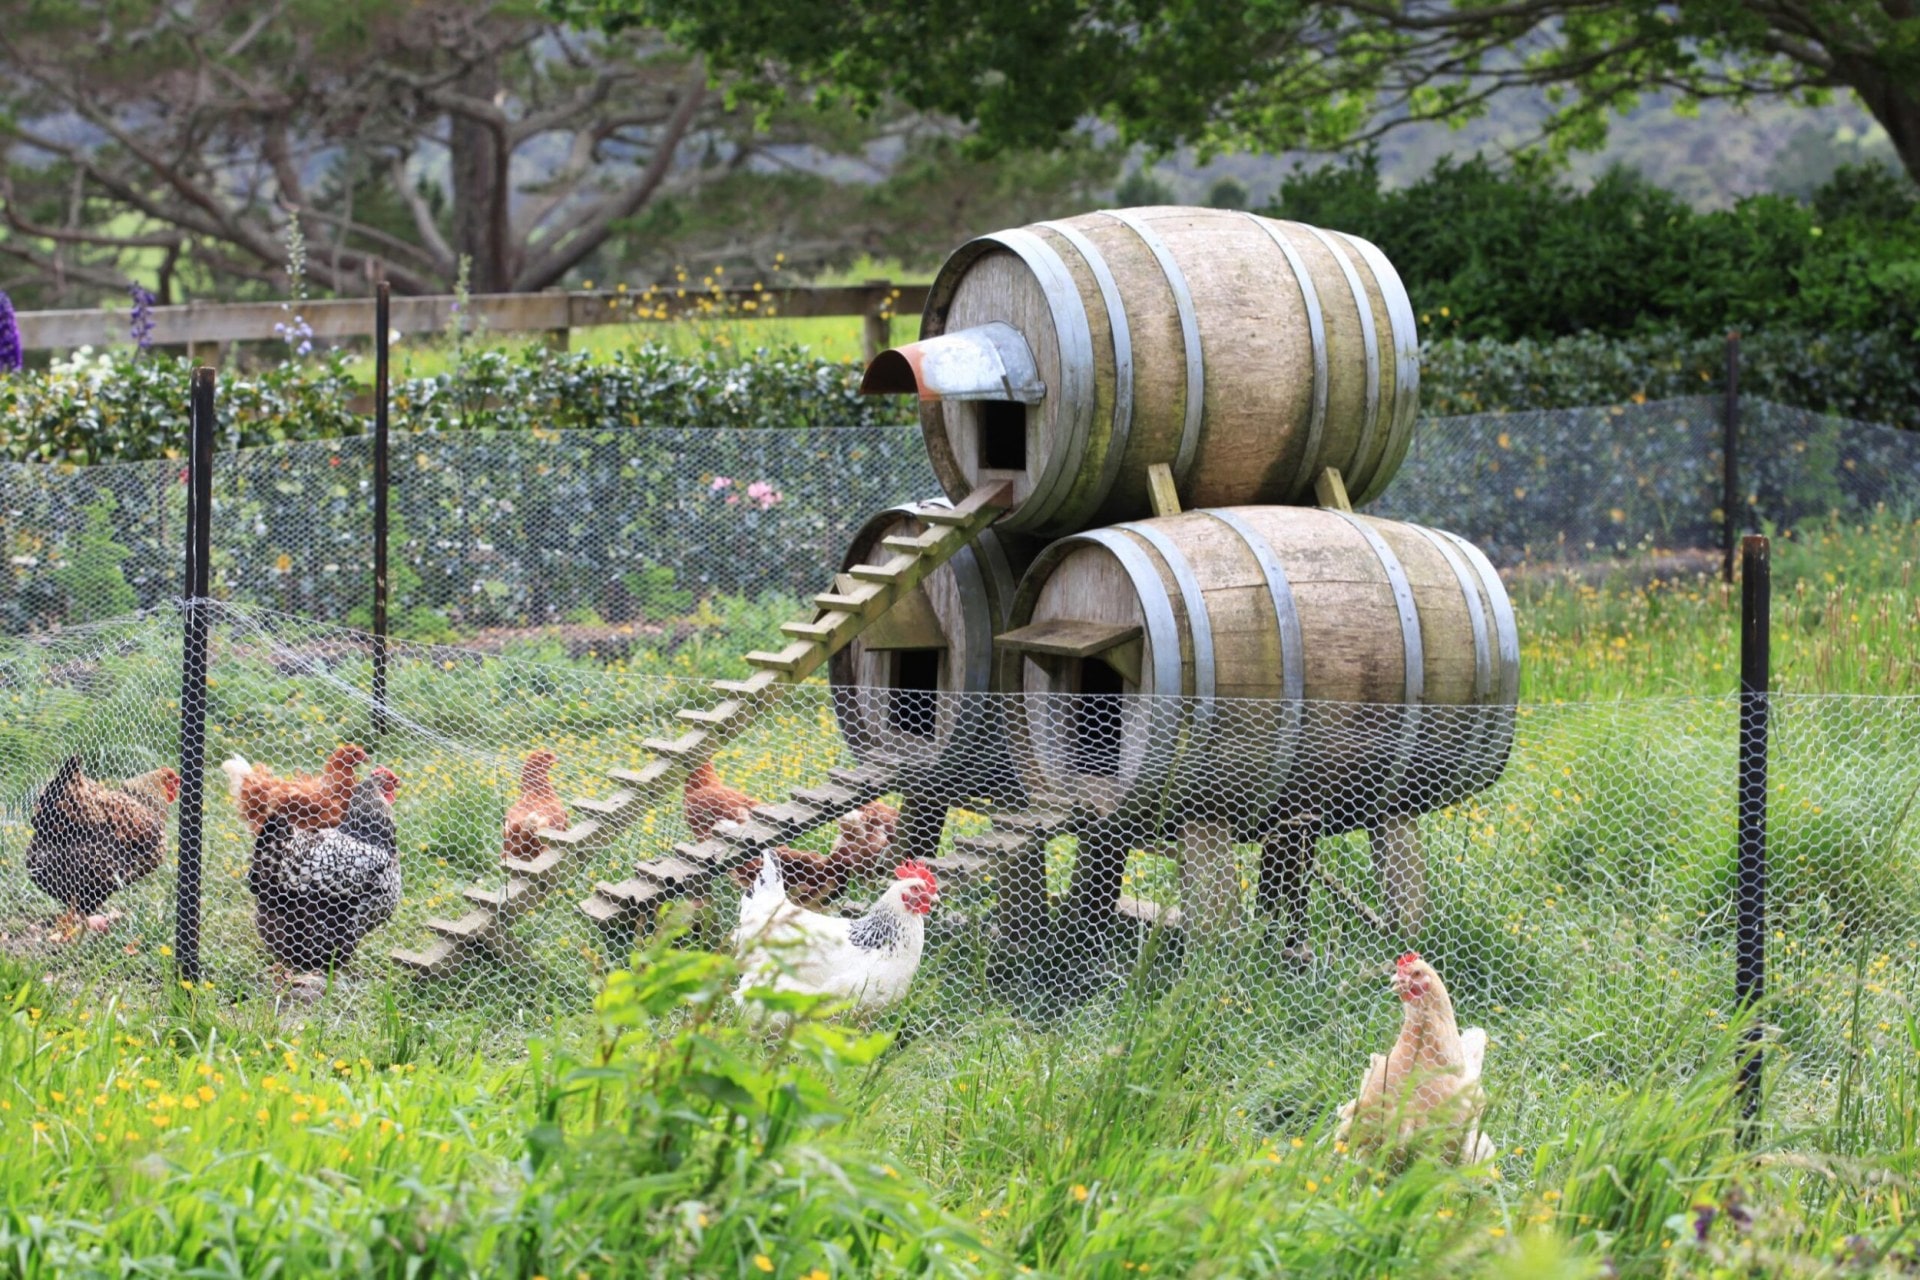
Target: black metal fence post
[(381, 480), (1730, 459), (1750, 957), (193, 676)]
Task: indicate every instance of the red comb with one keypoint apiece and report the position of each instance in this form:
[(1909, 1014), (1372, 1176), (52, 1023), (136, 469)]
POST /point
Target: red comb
[(1412, 957), (917, 871), (385, 775)]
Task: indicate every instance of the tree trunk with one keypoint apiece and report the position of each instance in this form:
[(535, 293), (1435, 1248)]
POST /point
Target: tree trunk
[(1892, 99), (480, 189)]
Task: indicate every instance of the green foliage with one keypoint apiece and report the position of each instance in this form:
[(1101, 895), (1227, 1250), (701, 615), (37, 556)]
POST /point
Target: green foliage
[(1487, 253), (1142, 187), (1289, 73), (1869, 376), (95, 586)]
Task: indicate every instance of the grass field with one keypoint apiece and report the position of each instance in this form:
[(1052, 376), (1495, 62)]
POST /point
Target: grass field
[(504, 1123)]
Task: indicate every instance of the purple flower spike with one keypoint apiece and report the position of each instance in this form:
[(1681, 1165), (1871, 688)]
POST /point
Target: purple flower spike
[(140, 322), (12, 355)]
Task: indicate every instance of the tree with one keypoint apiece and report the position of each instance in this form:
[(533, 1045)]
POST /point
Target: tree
[(179, 139), (1282, 74)]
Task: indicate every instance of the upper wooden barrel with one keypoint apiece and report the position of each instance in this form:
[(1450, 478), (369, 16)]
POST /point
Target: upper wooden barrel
[(889, 683), (1246, 353), (1325, 665)]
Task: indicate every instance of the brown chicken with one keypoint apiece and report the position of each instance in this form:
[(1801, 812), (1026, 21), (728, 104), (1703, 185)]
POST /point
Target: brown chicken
[(90, 840), (537, 809), (311, 803), (1428, 1083), (708, 801), (812, 879)]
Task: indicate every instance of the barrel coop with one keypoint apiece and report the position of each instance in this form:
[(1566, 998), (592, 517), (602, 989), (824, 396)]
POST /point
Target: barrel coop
[(1330, 669), (938, 639), (1247, 354)]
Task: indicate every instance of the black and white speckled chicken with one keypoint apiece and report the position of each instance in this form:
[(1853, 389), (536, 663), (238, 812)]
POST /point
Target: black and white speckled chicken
[(320, 892)]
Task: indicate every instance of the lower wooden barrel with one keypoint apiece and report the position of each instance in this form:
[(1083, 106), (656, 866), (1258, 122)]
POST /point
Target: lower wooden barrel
[(887, 684), (1326, 667)]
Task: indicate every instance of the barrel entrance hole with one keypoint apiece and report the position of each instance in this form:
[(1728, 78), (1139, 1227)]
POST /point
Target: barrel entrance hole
[(916, 681), (1002, 431), (1093, 729)]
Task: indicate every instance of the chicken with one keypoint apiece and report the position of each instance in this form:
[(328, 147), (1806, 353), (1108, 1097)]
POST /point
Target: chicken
[(1427, 1083), (91, 840), (866, 837), (812, 879), (537, 809), (707, 802), (311, 804), (319, 892), (870, 961)]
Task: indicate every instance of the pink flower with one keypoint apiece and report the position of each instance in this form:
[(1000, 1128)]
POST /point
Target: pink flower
[(763, 493), (720, 483)]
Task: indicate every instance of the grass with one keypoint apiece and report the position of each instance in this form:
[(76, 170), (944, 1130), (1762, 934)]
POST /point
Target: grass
[(1177, 1123)]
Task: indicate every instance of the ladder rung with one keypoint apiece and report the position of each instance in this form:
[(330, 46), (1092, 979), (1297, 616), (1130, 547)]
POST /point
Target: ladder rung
[(538, 867), (675, 873), (820, 632), (712, 715), (651, 775), (610, 805), (712, 853), (497, 898), (915, 545), (577, 834), (634, 895), (832, 798), (603, 910), (887, 574), (757, 683), (474, 924), (435, 958), (998, 844), (685, 744), (795, 814), (790, 659)]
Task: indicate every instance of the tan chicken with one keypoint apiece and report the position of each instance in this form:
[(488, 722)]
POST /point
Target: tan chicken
[(310, 803), (1427, 1084), (537, 809), (707, 801), (864, 847), (90, 840)]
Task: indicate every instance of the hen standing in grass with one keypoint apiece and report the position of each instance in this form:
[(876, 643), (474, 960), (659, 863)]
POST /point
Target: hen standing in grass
[(537, 809), (1428, 1082), (320, 892), (707, 802), (870, 961), (310, 803), (91, 840)]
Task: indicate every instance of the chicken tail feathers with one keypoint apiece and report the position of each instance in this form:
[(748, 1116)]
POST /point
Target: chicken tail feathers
[(770, 884), (63, 780), (236, 768)]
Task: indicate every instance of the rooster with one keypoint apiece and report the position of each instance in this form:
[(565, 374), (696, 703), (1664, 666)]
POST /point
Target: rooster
[(870, 961), (537, 809), (320, 892), (310, 803), (91, 840), (1429, 1081), (707, 802), (812, 879)]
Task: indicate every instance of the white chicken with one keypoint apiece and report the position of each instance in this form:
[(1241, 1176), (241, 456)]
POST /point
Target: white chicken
[(1428, 1083), (869, 961)]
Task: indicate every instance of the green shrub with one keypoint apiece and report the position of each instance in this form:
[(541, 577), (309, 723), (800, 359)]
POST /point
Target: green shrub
[(95, 586)]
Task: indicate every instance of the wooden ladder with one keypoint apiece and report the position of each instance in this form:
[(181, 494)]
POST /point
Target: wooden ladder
[(860, 597)]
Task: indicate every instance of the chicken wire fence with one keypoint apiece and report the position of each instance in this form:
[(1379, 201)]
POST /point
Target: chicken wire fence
[(639, 537), (1255, 866)]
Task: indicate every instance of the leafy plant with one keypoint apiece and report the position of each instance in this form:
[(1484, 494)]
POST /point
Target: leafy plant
[(92, 579)]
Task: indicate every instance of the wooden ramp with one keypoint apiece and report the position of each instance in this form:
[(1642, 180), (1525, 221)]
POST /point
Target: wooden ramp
[(861, 597)]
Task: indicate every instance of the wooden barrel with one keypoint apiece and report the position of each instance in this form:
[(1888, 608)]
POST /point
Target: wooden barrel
[(1245, 352), (939, 639), (1391, 648)]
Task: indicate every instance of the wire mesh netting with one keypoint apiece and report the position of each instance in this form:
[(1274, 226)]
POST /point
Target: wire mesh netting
[(636, 527), (1560, 868)]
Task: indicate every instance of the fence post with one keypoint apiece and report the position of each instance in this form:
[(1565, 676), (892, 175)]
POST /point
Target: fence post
[(193, 676), (877, 326), (381, 481), (1750, 946), (1730, 458)]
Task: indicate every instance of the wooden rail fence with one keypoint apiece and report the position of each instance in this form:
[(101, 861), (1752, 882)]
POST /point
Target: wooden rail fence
[(203, 328)]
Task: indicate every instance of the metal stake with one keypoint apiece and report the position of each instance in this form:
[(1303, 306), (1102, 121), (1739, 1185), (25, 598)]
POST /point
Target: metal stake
[(381, 480), (1730, 459), (1750, 945), (193, 676)]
